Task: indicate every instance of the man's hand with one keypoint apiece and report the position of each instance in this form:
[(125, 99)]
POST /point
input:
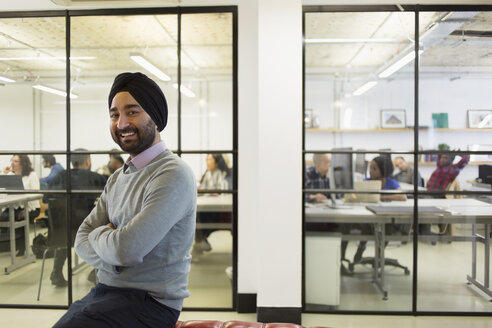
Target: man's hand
[(111, 225), (318, 197)]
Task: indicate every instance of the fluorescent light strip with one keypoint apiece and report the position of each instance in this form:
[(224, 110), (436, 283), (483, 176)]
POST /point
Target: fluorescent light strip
[(54, 91), (6, 79), (184, 90), (399, 64), (365, 87), (44, 58), (350, 40), (139, 59)]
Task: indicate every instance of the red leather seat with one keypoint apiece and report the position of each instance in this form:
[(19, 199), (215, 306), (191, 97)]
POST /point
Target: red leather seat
[(232, 324)]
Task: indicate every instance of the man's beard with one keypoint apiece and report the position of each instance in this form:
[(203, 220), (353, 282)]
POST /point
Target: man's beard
[(146, 137)]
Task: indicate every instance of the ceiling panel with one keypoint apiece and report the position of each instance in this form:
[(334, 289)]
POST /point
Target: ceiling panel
[(109, 41)]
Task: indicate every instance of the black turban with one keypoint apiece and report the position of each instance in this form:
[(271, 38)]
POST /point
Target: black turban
[(146, 92)]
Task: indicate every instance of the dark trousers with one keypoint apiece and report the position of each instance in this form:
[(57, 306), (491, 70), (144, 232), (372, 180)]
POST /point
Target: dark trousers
[(60, 257), (107, 306)]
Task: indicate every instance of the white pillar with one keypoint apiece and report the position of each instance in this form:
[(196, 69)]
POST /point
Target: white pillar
[(280, 160), (248, 188), (270, 162)]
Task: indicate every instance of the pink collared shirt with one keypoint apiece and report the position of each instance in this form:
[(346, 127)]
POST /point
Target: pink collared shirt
[(141, 160)]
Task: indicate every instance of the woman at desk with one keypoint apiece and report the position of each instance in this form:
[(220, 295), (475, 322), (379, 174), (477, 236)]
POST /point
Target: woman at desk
[(216, 173), (214, 178), (21, 165), (380, 168)]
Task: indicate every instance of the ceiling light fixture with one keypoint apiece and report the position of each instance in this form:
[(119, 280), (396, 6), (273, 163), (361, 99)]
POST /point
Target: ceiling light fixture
[(351, 40), (184, 90), (54, 91), (139, 59), (399, 64), (365, 87), (44, 58), (6, 79)]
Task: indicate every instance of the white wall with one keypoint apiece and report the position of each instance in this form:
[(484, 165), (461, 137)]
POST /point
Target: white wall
[(17, 122)]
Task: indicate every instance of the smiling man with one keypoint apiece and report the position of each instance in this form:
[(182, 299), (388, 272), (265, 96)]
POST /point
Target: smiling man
[(140, 232)]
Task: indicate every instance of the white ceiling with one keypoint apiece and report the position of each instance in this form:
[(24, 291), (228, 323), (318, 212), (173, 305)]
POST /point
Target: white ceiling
[(450, 41), (207, 41), (36, 46)]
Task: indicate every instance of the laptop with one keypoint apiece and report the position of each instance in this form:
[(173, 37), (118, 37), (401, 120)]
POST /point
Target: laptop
[(11, 182), (368, 185)]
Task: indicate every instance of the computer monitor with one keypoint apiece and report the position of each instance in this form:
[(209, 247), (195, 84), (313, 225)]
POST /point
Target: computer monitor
[(485, 173), (342, 169), (11, 181), (361, 165)]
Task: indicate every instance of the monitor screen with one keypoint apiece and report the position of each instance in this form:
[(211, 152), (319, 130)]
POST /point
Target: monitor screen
[(485, 173), (342, 169), (361, 165)]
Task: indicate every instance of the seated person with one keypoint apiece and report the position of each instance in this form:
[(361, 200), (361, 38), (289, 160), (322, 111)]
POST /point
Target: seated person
[(84, 179), (380, 168), (317, 178), (114, 163), (406, 172), (49, 162), (213, 178), (21, 165), (446, 172)]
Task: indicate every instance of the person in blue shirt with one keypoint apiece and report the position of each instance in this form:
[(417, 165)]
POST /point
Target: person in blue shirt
[(380, 168), (49, 162)]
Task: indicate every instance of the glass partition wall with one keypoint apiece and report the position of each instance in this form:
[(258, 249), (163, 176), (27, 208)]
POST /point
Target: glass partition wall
[(397, 186), (194, 49)]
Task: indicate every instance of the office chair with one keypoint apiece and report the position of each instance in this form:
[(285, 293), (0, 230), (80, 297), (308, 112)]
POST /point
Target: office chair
[(57, 226), (390, 229)]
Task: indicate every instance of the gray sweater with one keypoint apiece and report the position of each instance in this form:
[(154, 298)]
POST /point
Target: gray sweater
[(154, 211)]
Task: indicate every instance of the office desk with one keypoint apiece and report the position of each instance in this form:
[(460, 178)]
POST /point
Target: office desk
[(11, 202), (465, 210), (217, 204)]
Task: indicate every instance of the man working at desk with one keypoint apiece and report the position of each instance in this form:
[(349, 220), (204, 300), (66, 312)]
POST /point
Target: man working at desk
[(406, 172), (140, 232), (49, 162), (317, 178), (446, 172)]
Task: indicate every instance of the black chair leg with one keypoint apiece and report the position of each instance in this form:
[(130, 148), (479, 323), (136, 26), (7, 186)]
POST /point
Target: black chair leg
[(42, 271), (387, 261)]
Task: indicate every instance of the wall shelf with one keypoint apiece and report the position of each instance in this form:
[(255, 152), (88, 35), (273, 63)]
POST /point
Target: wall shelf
[(394, 130), (470, 163)]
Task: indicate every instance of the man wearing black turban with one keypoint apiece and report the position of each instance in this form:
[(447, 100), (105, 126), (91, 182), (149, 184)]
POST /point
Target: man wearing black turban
[(139, 234), (138, 90)]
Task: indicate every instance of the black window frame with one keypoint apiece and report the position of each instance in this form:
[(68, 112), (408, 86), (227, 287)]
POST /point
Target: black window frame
[(68, 152)]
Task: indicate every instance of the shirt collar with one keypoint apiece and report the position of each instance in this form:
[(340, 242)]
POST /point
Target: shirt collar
[(141, 160)]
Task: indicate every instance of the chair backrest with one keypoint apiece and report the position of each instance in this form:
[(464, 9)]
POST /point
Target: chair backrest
[(454, 186), (58, 220)]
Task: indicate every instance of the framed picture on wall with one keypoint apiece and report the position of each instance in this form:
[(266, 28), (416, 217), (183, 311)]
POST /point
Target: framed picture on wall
[(393, 118), (480, 118)]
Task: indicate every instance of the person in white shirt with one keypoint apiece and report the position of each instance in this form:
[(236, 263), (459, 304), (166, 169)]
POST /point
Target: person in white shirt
[(21, 165), (214, 178)]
